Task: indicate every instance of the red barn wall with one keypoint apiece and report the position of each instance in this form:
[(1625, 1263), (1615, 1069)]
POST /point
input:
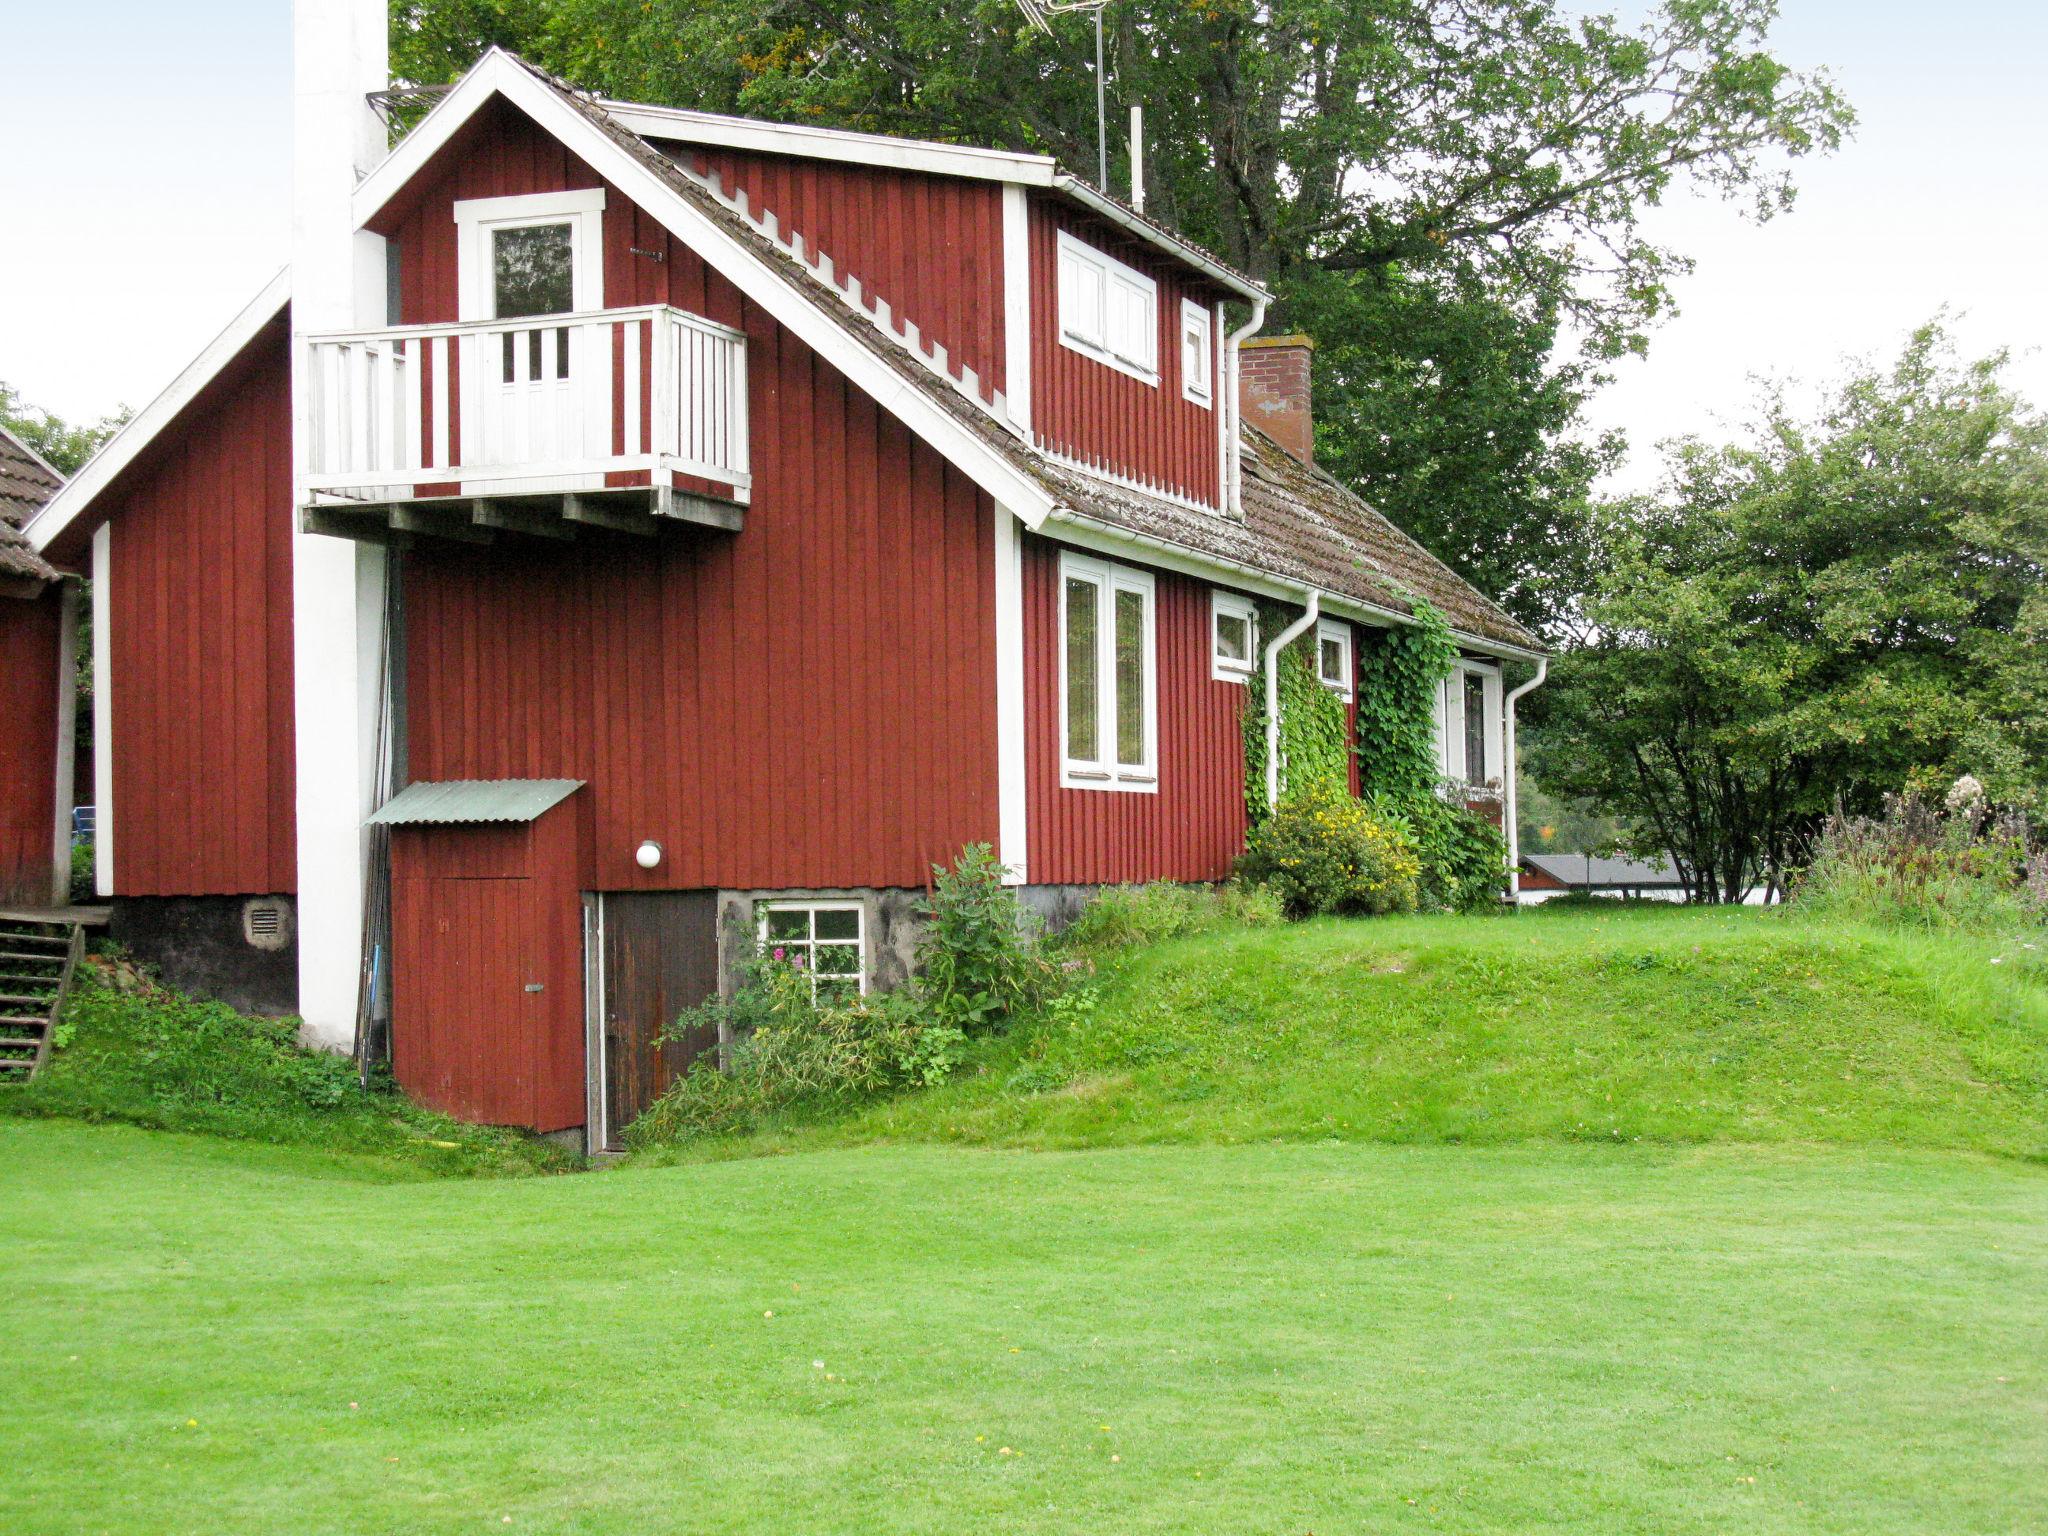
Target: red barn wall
[(1088, 410), (932, 246), (31, 634), (200, 652), (1193, 828)]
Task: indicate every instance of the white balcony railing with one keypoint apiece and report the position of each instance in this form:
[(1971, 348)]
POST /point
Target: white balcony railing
[(548, 403)]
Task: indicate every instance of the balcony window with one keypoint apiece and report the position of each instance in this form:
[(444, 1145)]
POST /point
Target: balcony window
[(1108, 677)]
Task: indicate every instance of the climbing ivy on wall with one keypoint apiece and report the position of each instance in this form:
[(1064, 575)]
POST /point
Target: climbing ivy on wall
[(1398, 673), (1313, 744)]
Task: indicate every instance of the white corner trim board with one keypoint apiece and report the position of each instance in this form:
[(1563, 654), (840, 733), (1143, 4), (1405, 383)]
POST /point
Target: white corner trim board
[(103, 709), (121, 451), (1012, 814), (1017, 307), (498, 74)]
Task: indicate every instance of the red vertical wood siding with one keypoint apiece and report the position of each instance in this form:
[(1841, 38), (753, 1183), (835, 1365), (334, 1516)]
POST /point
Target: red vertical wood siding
[(1088, 410), (30, 635), (932, 246), (1193, 828), (200, 652), (479, 914)]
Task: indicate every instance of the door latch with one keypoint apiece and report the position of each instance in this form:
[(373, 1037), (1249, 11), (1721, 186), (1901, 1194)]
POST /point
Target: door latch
[(536, 986)]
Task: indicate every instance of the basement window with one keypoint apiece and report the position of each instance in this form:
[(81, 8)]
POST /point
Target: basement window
[(1108, 311), (1197, 353), (1108, 687), (1333, 657), (1233, 637), (823, 939)]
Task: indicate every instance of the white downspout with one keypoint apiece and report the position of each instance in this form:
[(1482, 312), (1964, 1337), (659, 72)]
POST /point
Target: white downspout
[(1281, 641), (1233, 432), (1511, 777)]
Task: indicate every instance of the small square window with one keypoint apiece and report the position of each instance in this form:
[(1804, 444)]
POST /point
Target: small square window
[(1234, 637), (1333, 657), (823, 941)]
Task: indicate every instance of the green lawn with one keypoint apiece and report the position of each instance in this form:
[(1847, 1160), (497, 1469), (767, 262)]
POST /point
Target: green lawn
[(217, 1337), (1594, 1222)]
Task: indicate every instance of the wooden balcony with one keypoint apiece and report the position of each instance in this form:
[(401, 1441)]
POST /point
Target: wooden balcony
[(617, 417)]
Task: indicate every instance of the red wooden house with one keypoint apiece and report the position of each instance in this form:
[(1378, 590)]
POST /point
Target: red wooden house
[(628, 530), (38, 616)]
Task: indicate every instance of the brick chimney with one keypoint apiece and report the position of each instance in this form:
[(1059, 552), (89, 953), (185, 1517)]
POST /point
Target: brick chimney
[(1272, 391)]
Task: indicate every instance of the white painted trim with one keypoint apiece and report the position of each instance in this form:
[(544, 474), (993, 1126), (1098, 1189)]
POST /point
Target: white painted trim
[(675, 124), (1012, 805), (67, 739), (1512, 788), (1017, 306), (479, 219), (1090, 533), (1233, 605), (1232, 499), (1194, 314), (1110, 273), (61, 510), (498, 74), (1451, 753), (1225, 406), (1337, 630), (103, 709), (1106, 773), (1126, 482), (1117, 214)]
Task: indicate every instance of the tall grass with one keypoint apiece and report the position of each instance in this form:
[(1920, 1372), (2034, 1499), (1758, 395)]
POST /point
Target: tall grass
[(1960, 866)]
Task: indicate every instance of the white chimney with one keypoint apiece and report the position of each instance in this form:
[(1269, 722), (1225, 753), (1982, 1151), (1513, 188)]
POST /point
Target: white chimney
[(339, 55)]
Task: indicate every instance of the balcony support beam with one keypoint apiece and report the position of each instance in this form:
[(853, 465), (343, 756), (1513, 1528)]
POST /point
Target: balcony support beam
[(512, 517), (436, 524), (688, 507), (607, 514)]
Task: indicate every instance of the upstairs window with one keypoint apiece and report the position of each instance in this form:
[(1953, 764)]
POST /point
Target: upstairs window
[(1108, 684), (1108, 311), (1233, 637), (1197, 353), (1333, 657)]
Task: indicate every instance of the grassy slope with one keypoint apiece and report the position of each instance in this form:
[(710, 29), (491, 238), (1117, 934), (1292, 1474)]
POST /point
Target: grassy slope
[(229, 1338), (1656, 1024)]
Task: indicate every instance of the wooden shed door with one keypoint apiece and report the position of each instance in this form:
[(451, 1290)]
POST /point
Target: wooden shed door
[(465, 956), (660, 956)]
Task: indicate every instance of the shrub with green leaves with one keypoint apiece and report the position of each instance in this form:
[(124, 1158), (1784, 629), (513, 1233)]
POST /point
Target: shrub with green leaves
[(1463, 857), (978, 965), (1322, 851)]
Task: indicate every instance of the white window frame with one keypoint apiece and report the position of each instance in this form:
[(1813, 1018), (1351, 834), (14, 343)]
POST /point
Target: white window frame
[(1088, 326), (478, 221), (1107, 772), (1233, 605), (1197, 321), (763, 909), (1450, 725), (1339, 631)]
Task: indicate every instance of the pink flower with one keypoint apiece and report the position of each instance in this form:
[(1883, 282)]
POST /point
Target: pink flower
[(781, 954)]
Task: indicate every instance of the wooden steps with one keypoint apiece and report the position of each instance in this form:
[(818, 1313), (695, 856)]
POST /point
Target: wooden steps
[(39, 954)]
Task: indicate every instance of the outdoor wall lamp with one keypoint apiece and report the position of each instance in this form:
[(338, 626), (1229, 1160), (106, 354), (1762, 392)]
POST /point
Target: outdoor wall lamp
[(648, 854)]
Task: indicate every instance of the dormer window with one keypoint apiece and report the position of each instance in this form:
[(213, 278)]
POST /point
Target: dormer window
[(1108, 311), (1197, 353)]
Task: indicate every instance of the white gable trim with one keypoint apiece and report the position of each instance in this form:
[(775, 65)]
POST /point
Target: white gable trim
[(61, 510), (498, 74)]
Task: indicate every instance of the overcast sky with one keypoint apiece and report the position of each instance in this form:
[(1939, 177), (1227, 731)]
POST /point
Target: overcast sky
[(145, 195)]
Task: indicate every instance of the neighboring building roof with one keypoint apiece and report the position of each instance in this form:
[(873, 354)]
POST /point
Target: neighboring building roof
[(455, 801), (27, 483), (1590, 872)]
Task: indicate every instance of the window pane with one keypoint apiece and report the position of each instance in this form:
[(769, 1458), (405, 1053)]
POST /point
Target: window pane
[(838, 924), (1082, 744), (1130, 678), (1333, 660), (1233, 638), (789, 924), (1475, 729), (838, 959), (533, 271)]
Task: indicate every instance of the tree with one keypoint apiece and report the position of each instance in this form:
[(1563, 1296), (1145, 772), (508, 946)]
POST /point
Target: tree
[(1827, 611), (64, 447), (1433, 187)]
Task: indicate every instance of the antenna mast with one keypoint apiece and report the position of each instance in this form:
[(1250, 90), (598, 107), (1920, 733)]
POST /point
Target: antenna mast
[(1037, 13)]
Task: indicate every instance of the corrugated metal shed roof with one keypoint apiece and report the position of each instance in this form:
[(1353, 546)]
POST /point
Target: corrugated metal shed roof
[(468, 800)]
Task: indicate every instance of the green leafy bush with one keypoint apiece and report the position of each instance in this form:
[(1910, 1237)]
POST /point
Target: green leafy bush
[(977, 963), (1132, 916), (1463, 857), (84, 876), (1963, 865), (1324, 852)]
